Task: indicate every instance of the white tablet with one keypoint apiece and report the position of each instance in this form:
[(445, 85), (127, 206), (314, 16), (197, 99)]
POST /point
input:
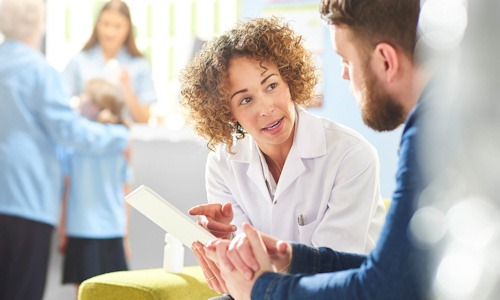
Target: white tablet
[(167, 216)]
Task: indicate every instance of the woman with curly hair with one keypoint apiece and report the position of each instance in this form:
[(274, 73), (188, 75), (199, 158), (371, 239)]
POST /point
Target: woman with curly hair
[(285, 171)]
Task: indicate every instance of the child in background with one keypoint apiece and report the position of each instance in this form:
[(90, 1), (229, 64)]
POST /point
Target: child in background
[(94, 223)]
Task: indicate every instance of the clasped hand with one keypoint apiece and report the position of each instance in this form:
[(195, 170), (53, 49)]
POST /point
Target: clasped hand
[(234, 265), (242, 260)]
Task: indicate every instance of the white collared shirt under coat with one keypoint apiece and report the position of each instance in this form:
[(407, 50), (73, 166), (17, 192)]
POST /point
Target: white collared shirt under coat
[(330, 177)]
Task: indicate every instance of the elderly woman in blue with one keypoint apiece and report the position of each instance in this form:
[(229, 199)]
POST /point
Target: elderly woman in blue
[(111, 53), (35, 118), (275, 165)]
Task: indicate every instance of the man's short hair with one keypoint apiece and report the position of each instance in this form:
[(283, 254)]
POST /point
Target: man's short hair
[(375, 21)]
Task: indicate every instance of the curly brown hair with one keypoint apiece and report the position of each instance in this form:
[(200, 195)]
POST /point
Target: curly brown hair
[(205, 81)]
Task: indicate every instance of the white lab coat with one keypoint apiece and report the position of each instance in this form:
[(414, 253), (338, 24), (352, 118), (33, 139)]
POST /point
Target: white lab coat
[(330, 177)]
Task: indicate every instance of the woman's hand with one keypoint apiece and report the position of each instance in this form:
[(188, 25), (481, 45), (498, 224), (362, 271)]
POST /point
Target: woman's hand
[(63, 240), (126, 247), (240, 254), (210, 269), (140, 113), (125, 79), (216, 218)]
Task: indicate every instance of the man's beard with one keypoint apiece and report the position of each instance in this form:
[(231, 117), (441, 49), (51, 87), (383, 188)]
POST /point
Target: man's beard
[(379, 110)]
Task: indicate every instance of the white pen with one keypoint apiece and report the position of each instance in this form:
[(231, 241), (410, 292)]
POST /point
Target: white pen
[(301, 220)]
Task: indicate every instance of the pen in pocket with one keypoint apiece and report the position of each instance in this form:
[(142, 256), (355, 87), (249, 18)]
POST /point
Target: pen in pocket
[(300, 220)]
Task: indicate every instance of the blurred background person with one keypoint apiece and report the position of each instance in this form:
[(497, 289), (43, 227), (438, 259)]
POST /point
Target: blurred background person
[(111, 53), (94, 223), (34, 118)]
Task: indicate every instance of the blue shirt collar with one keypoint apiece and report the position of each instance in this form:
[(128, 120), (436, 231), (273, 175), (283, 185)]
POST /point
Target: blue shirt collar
[(121, 56)]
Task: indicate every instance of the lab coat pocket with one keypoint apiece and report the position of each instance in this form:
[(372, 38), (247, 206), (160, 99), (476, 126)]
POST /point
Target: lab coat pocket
[(306, 231)]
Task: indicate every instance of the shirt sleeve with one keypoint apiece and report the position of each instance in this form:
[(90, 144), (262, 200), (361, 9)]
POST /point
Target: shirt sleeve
[(219, 192), (310, 275), (66, 127), (64, 156), (353, 203), (311, 260), (127, 173), (71, 77), (143, 83)]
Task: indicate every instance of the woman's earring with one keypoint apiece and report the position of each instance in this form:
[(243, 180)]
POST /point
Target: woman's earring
[(234, 125)]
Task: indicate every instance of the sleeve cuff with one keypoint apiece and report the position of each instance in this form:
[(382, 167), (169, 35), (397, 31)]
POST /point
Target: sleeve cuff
[(305, 259), (265, 286)]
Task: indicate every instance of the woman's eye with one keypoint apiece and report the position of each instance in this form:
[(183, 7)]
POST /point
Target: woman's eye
[(245, 100), (272, 86)]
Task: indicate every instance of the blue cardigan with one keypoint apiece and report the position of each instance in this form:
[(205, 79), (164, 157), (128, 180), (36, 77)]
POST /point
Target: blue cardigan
[(35, 117)]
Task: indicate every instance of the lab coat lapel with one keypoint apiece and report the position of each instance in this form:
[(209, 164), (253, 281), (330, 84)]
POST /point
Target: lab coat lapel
[(255, 173), (309, 142), (293, 168), (247, 156)]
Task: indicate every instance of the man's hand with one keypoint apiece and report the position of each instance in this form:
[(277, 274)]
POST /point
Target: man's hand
[(241, 255), (216, 218)]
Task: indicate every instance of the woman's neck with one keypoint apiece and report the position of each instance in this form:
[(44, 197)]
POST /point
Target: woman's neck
[(276, 157), (33, 40), (110, 53), (275, 167)]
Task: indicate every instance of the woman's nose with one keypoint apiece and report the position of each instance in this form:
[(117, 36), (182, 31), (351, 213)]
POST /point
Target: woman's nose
[(266, 107)]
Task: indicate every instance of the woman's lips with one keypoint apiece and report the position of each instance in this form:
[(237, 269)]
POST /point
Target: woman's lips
[(274, 127)]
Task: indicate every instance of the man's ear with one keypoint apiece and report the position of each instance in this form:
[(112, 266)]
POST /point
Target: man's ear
[(387, 61)]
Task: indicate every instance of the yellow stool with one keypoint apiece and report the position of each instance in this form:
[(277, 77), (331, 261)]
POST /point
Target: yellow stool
[(151, 284)]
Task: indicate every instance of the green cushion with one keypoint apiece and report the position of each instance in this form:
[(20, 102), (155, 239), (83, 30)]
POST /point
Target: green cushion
[(149, 284)]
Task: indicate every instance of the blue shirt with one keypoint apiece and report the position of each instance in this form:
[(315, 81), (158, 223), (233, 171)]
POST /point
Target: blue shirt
[(96, 207), (34, 118), (388, 272), (90, 64)]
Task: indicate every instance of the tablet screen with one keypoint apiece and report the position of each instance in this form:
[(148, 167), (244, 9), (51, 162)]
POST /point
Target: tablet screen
[(167, 216)]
